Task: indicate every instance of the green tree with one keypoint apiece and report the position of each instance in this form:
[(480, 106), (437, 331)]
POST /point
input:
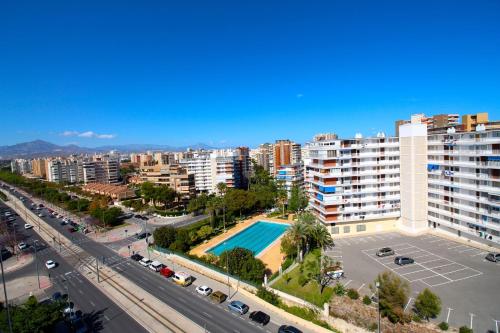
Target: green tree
[(316, 268), (282, 196), (241, 262), (164, 236), (298, 232), (393, 295), (319, 235), (298, 199), (289, 245), (205, 231), (427, 304)]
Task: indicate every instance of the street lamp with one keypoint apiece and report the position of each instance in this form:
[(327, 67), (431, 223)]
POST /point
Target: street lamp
[(377, 285), (5, 294), (36, 261)]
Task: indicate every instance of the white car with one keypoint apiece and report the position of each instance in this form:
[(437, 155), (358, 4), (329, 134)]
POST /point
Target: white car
[(28, 226), (50, 264), (22, 246), (40, 215), (145, 262), (204, 290)]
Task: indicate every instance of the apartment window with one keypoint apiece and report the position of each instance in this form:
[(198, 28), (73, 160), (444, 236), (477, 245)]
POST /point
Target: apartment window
[(347, 229), (360, 227), (335, 230)]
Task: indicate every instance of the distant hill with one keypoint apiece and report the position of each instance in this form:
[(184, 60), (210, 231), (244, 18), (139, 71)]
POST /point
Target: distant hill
[(40, 148)]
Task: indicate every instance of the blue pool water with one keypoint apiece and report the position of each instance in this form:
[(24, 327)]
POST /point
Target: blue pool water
[(254, 238)]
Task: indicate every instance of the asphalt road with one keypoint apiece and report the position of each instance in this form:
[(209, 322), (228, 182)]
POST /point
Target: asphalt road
[(209, 316), (100, 313)]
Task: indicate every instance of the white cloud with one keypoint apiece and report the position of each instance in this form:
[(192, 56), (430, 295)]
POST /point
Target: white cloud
[(88, 134), (69, 133)]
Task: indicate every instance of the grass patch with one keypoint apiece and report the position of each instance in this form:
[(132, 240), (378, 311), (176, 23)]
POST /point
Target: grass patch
[(309, 292)]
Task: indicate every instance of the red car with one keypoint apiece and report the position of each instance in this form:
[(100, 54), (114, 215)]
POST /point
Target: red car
[(166, 272)]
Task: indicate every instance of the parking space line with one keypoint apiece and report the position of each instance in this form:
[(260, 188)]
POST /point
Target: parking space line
[(467, 250), (477, 254), (361, 287), (420, 270), (409, 301), (446, 265), (456, 247), (347, 283), (457, 270), (425, 262)]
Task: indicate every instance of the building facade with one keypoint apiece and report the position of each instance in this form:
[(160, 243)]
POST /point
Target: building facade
[(353, 182), (101, 169), (290, 176)]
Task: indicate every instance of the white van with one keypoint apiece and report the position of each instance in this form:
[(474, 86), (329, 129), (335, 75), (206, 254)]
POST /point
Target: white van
[(156, 266), (183, 279)]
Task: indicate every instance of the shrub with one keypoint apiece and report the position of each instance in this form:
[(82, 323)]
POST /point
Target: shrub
[(443, 326), (465, 329), (367, 300), (373, 326), (339, 289), (302, 280), (287, 263), (353, 294), (268, 296)]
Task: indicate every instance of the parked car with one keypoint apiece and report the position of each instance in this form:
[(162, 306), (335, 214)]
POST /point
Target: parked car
[(218, 296), (57, 296), (166, 272), (5, 254), (385, 251), (260, 317), (494, 257), (28, 226), (183, 279), (145, 262), (155, 266), (136, 257), (204, 290), (72, 229), (288, 329), (64, 222), (22, 246), (238, 307), (143, 235), (399, 260), (50, 264), (41, 215)]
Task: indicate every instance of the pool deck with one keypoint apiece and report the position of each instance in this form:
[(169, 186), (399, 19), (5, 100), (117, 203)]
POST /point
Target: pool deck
[(271, 256)]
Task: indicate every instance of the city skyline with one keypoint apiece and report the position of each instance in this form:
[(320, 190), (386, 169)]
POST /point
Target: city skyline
[(169, 74)]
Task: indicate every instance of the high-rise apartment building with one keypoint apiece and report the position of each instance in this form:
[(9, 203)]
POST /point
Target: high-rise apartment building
[(353, 184), (200, 165), (284, 152), (243, 166), (39, 167), (20, 166), (464, 179), (62, 170), (101, 169), (263, 156), (290, 176)]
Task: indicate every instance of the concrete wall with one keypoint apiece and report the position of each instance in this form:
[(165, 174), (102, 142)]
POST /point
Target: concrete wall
[(372, 227)]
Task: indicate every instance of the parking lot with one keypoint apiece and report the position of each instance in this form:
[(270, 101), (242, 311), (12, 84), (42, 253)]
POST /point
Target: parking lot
[(458, 273)]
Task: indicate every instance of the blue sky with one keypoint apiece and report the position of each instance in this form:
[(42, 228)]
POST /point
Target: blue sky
[(231, 73)]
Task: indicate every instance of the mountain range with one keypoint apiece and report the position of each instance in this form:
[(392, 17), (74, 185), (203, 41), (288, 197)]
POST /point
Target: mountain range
[(40, 148)]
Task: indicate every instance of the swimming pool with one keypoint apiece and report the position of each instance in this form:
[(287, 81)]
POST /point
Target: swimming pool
[(254, 238)]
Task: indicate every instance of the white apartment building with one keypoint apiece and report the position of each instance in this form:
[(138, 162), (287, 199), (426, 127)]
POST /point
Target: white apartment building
[(20, 166), (464, 182), (65, 170), (290, 176), (352, 183), (200, 165)]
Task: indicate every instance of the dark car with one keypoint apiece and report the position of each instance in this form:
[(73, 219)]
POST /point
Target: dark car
[(143, 235), (494, 257), (260, 317), (399, 260), (72, 229), (64, 222), (288, 329), (136, 257), (384, 252), (138, 216), (5, 254)]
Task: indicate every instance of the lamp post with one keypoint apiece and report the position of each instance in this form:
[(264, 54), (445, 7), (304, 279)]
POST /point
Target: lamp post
[(35, 245), (5, 295), (377, 284)]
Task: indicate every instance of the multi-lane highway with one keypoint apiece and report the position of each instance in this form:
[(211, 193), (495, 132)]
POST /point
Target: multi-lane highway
[(209, 316), (99, 312)]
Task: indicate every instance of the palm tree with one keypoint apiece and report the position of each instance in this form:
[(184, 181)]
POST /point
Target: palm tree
[(320, 235), (282, 196), (298, 231)]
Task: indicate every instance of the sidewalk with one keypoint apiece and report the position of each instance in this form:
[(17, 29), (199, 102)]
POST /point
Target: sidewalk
[(20, 289), (14, 263), (116, 234)]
